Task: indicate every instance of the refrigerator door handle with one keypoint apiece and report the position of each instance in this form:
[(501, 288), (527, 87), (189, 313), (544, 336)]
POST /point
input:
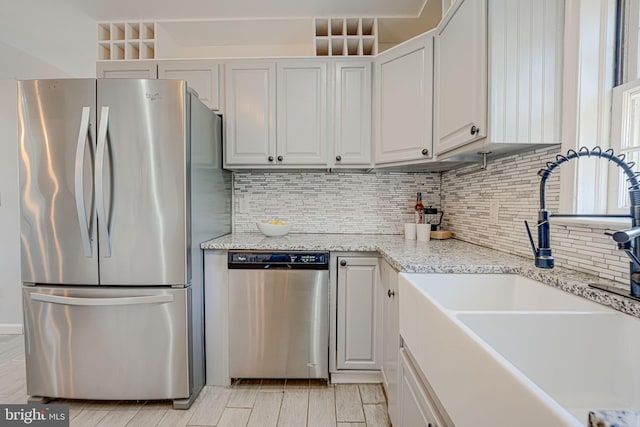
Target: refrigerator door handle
[(56, 299), (103, 224), (79, 182)]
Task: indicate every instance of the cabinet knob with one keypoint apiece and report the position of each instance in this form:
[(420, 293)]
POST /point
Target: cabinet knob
[(338, 158), (425, 152), (343, 262), (270, 158), (391, 294), (280, 158), (474, 130)]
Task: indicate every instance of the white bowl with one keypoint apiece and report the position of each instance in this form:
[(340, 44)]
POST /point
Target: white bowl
[(273, 230)]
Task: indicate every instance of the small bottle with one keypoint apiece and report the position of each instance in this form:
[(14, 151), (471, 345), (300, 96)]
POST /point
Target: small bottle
[(419, 209)]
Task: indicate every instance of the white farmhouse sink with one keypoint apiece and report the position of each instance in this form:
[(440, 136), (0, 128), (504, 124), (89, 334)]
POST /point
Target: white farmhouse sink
[(489, 292), (506, 351), (583, 361)]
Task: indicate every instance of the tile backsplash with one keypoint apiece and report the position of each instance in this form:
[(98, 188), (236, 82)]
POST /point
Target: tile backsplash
[(380, 202), (332, 202), (512, 182)]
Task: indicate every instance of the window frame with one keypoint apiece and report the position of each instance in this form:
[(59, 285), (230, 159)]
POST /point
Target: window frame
[(622, 107), (589, 76)]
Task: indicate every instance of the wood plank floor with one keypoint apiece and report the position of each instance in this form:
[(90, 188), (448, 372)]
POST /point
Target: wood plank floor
[(256, 403)]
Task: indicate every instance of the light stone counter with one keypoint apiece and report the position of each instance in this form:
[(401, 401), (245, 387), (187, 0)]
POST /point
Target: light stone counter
[(434, 256), (443, 256)]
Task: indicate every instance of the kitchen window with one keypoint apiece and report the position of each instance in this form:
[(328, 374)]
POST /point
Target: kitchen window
[(601, 46)]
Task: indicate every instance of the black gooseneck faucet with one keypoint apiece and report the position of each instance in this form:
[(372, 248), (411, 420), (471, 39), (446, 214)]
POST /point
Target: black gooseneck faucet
[(627, 240)]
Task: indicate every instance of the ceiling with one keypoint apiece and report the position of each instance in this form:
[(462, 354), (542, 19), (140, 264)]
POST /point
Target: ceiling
[(113, 10)]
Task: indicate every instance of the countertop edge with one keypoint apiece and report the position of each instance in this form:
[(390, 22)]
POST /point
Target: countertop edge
[(560, 277)]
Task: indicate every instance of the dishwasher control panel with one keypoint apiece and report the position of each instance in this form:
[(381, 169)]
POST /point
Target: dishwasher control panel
[(290, 260)]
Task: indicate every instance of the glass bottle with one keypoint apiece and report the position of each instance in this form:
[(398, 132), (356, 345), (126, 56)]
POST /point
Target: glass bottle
[(419, 209)]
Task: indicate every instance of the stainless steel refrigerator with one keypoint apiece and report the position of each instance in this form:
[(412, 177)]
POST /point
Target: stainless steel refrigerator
[(120, 180)]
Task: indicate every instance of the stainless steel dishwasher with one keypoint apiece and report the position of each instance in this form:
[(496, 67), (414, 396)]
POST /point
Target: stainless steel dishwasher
[(278, 314)]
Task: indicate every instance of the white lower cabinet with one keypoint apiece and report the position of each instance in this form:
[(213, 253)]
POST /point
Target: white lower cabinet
[(415, 405), (390, 337), (216, 321), (359, 344)]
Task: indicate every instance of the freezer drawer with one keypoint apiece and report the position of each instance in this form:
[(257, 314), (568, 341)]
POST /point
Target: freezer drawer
[(107, 343)]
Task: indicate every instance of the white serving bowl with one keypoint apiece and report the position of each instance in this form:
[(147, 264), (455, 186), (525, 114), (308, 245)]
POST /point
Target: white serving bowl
[(273, 230)]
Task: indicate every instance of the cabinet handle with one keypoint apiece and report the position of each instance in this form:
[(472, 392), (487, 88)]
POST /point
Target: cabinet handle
[(474, 130), (280, 158), (270, 158), (343, 262), (391, 294), (338, 158), (425, 152)]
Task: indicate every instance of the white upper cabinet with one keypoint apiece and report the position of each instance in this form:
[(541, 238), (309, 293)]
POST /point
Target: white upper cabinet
[(301, 108), (461, 64), (203, 76), (249, 122), (302, 113), (276, 114), (403, 102), (127, 70), (498, 76), (351, 109)]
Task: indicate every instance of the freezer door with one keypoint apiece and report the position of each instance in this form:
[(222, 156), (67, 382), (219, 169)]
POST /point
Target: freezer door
[(141, 182), (107, 343), (56, 147)]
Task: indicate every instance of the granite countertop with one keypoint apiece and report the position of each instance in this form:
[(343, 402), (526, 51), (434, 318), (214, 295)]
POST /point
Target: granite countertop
[(445, 256), (434, 256)]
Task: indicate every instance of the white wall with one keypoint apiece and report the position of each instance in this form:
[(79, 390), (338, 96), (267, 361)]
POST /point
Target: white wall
[(38, 39), (41, 36)]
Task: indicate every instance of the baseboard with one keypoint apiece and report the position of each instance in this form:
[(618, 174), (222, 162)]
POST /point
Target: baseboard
[(351, 377), (10, 329)]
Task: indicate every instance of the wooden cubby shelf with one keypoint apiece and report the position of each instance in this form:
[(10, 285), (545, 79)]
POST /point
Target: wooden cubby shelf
[(346, 36), (126, 40)]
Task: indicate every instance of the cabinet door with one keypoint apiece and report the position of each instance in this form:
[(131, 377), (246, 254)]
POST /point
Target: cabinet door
[(352, 113), (203, 76), (127, 70), (302, 113), (461, 76), (249, 122), (359, 309), (390, 338), (404, 89), (414, 409)]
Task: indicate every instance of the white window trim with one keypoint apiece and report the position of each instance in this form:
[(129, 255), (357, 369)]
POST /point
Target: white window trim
[(631, 45), (597, 223), (622, 129), (588, 79)]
